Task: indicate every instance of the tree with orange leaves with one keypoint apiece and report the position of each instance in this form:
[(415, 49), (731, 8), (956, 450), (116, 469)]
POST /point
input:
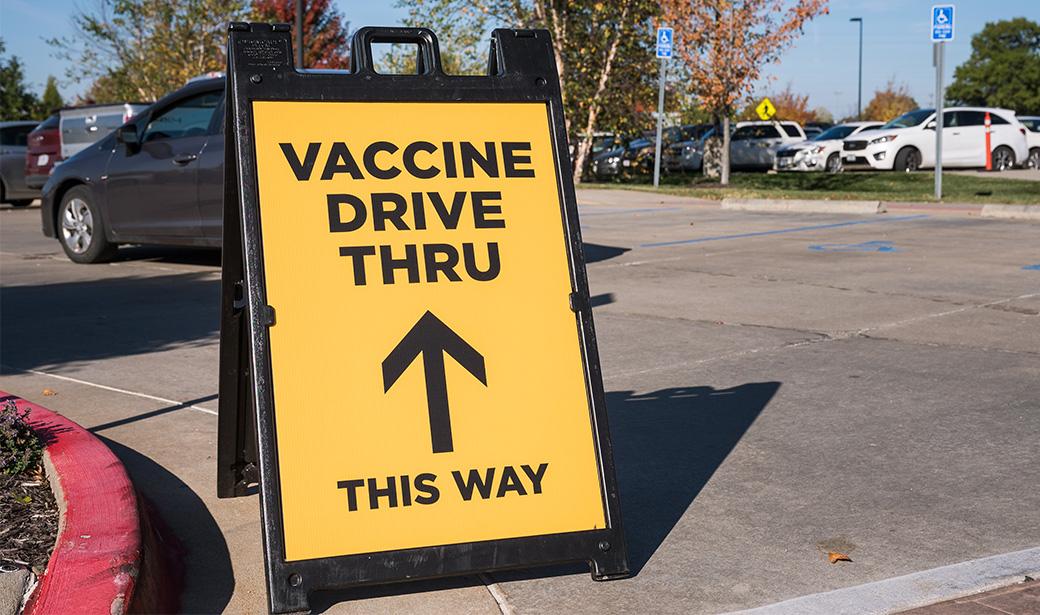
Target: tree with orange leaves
[(324, 30), (725, 44), (790, 106)]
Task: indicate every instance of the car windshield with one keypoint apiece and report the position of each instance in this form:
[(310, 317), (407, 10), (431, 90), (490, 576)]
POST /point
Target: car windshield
[(834, 133), (1032, 123), (602, 144), (913, 118)]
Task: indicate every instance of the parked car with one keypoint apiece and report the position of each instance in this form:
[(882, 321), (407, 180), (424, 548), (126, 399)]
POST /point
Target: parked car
[(687, 156), (69, 130), (44, 151), (754, 144), (81, 126), (822, 152), (674, 158), (158, 179), (13, 139), (907, 143), (1032, 124), (607, 164)]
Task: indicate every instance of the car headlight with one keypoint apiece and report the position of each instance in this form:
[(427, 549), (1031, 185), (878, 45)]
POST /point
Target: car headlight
[(816, 150), (884, 139)]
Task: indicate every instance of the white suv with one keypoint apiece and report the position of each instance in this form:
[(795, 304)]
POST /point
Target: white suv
[(1032, 124), (822, 152), (907, 143), (754, 144)]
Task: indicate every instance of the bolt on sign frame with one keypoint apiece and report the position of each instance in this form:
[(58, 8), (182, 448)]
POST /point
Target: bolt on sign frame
[(269, 102)]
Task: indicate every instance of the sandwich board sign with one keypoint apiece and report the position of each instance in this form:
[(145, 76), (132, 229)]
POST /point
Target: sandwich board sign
[(406, 316)]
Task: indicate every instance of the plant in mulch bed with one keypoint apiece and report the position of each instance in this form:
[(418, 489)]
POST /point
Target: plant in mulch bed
[(28, 512)]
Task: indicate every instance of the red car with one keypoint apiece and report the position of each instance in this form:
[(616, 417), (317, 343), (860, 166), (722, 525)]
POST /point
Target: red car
[(44, 150)]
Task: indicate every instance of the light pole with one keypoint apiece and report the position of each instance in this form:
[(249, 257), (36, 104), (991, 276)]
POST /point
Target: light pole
[(859, 91)]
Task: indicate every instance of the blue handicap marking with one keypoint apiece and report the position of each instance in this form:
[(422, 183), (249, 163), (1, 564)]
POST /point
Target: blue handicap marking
[(1035, 267), (942, 22), (866, 246), (665, 39)]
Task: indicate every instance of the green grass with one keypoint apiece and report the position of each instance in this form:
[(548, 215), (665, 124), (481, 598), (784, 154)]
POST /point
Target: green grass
[(866, 186)]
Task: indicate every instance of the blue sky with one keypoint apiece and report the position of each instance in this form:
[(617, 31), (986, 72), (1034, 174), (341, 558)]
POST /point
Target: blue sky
[(821, 64)]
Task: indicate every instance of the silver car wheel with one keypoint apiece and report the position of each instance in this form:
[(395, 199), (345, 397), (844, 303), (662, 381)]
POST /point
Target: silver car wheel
[(77, 225), (1003, 159)]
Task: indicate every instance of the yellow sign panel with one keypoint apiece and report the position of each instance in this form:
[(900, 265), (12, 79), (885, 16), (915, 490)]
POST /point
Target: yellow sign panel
[(765, 109), (426, 365)]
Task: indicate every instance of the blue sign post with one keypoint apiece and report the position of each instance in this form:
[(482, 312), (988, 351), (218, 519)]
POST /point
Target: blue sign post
[(942, 23), (942, 31), (665, 43)]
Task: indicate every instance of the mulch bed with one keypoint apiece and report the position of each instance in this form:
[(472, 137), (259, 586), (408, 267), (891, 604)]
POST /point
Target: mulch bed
[(28, 520)]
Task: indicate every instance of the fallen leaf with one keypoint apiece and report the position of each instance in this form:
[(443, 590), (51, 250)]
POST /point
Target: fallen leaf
[(49, 392), (836, 557)]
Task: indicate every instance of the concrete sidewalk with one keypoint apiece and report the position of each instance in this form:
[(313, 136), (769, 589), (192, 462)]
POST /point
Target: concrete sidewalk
[(1019, 599)]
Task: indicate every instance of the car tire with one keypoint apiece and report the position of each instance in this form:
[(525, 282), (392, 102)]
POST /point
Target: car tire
[(908, 160), (21, 202), (81, 230), (833, 164), (1033, 162), (1003, 158)]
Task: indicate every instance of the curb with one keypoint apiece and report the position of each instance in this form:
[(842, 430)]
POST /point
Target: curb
[(1019, 212), (97, 557), (804, 206)]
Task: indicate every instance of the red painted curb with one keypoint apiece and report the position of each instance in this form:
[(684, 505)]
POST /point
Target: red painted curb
[(97, 556)]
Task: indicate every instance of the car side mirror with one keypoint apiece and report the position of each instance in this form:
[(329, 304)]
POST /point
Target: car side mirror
[(930, 125), (127, 135)]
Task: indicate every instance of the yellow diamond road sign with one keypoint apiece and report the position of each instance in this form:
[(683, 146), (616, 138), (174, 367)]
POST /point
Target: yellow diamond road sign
[(426, 365), (765, 109)]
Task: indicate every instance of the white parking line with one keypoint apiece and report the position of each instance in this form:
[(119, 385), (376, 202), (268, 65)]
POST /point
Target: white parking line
[(172, 402), (913, 590)]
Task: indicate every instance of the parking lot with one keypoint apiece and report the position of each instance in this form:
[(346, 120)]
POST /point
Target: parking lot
[(779, 386)]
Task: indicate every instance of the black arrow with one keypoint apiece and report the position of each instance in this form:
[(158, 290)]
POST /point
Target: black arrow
[(432, 338)]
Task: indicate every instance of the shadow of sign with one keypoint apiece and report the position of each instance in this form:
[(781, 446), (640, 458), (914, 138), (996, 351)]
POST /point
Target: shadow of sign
[(208, 576), (65, 323), (595, 253), (667, 445)]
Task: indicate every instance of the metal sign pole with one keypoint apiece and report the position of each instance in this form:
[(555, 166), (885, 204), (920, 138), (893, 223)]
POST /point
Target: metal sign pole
[(939, 48), (660, 122)]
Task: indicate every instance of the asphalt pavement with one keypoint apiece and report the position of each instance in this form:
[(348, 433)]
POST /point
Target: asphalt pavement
[(779, 386)]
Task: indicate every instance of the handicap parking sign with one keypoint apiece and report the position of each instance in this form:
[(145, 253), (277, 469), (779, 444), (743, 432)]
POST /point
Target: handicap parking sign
[(664, 42), (942, 23)]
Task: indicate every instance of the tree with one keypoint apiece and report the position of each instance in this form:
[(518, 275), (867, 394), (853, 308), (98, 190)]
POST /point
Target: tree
[(463, 33), (602, 54), (324, 30), (1003, 69), (142, 49), (724, 46), (16, 101), (789, 105), (51, 100), (889, 102), (604, 61), (822, 114)]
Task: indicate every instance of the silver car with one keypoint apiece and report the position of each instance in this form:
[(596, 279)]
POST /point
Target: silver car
[(13, 144)]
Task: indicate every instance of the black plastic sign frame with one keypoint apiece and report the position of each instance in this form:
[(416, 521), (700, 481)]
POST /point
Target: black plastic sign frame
[(521, 68)]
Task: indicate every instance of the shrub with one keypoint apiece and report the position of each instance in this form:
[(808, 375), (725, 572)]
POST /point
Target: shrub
[(20, 448)]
